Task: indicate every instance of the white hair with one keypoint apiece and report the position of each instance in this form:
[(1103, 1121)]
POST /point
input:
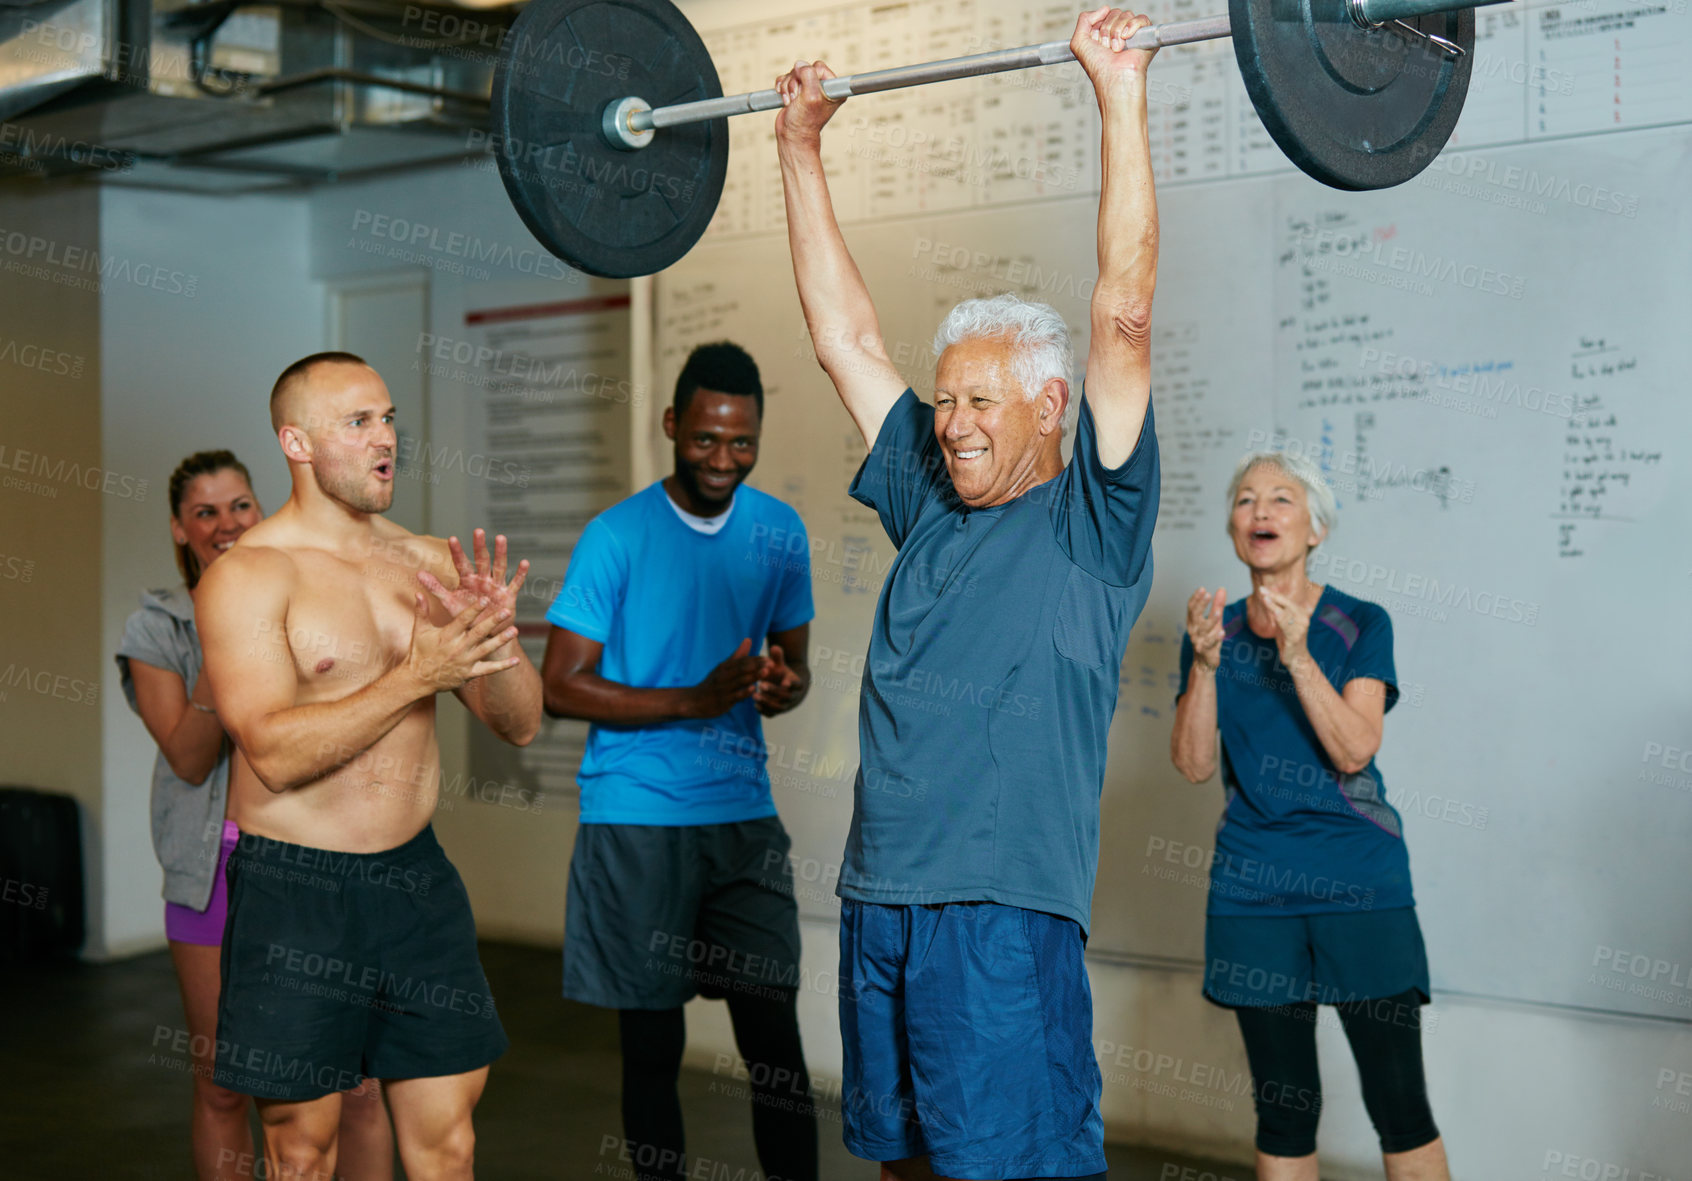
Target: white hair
[(1324, 513), (1039, 338)]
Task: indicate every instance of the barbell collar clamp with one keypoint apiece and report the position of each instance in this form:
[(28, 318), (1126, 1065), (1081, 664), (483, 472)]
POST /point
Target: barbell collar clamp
[(1359, 11), (618, 126)]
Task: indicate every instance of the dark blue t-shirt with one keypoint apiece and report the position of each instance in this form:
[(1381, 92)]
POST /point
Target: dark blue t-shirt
[(1296, 835), (992, 673)]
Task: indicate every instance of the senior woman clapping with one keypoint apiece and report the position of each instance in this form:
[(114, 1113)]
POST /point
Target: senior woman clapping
[(1310, 898)]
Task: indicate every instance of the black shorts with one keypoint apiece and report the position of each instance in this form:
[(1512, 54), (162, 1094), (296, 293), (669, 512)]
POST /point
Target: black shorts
[(659, 914), (343, 966)]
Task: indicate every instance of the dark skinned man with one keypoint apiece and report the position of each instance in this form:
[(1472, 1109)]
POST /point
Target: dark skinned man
[(679, 882)]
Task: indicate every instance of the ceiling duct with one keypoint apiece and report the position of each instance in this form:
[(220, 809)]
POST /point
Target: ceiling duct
[(232, 95)]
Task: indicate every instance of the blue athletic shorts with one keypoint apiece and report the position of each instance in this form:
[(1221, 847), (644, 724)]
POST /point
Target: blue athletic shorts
[(968, 1034), (1330, 959)]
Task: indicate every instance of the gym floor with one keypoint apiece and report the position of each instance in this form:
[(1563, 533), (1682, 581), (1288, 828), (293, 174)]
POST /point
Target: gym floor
[(95, 1090)]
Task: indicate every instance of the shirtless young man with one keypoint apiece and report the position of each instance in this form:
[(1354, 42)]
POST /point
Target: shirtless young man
[(350, 950)]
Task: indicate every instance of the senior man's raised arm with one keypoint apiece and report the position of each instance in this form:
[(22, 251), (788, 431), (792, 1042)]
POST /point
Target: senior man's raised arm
[(1119, 352), (838, 311)]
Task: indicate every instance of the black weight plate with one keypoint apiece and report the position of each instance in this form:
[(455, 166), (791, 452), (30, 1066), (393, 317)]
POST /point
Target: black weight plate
[(1354, 108), (605, 210)]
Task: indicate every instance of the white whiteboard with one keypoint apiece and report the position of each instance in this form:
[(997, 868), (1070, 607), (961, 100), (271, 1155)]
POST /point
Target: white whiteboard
[(1484, 358)]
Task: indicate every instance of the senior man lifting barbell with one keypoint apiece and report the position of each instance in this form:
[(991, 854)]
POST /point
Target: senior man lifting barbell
[(965, 1009)]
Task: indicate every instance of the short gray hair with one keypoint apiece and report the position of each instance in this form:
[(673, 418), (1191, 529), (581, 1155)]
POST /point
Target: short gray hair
[(1039, 338), (1324, 513)]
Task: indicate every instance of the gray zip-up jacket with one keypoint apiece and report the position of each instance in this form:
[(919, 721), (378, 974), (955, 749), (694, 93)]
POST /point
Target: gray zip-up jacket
[(187, 817)]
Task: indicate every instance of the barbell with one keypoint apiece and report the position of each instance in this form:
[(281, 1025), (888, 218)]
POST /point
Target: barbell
[(609, 122)]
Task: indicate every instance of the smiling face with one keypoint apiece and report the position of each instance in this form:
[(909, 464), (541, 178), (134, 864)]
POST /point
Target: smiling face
[(716, 448), (1270, 522), (990, 432), (216, 508), (348, 420)]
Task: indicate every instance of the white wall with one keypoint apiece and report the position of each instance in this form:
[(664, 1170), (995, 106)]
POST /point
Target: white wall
[(218, 303)]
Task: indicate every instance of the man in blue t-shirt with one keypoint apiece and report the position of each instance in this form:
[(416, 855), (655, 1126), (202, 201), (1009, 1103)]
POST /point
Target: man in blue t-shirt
[(992, 669), (679, 881)]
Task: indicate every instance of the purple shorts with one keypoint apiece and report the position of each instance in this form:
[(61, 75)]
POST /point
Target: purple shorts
[(184, 924)]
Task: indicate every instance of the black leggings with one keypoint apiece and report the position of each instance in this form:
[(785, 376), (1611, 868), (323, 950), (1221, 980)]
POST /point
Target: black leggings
[(784, 1118), (1386, 1041)]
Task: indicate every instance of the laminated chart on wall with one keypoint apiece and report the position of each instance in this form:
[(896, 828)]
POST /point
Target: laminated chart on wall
[(1027, 135), (1546, 71), (1542, 71), (553, 400)]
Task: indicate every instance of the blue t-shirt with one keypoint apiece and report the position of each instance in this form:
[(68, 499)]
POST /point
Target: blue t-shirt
[(1296, 835), (670, 604), (992, 672)]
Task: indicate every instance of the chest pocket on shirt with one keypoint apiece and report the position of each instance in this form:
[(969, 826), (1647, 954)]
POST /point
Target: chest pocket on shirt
[(1087, 616)]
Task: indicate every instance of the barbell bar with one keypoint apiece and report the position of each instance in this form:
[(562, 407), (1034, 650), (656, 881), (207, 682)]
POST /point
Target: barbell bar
[(630, 130), (609, 121)]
